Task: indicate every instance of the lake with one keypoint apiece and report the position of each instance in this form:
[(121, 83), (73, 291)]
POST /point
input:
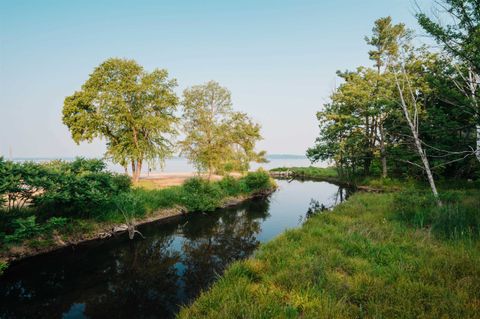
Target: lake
[(180, 164), (152, 277)]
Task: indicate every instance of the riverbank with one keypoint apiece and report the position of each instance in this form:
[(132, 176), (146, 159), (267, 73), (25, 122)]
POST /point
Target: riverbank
[(144, 206), (370, 257), (330, 174)]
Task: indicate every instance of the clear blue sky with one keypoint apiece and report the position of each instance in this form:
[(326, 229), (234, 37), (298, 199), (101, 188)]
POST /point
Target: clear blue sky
[(277, 57)]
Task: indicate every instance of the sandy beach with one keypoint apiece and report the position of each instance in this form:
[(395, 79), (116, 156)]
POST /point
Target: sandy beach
[(162, 180)]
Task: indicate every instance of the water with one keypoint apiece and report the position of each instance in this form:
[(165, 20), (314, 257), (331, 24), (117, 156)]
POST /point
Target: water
[(120, 278), (179, 164)]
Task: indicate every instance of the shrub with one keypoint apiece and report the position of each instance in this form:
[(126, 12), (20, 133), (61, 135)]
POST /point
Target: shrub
[(28, 228), (24, 228), (81, 188), (257, 181), (231, 186), (201, 195)]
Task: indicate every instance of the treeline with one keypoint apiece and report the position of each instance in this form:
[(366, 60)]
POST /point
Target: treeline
[(138, 114), (414, 112)]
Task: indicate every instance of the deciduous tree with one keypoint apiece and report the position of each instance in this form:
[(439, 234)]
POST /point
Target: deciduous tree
[(132, 109)]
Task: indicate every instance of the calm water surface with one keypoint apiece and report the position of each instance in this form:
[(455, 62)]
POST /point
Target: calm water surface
[(151, 278)]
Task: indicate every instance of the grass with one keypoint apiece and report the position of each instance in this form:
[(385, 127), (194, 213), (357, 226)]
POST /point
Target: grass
[(328, 174), (360, 261)]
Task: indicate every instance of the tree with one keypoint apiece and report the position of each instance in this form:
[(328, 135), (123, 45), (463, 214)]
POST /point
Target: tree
[(407, 69), (385, 42), (461, 39), (352, 123), (132, 109), (217, 139)]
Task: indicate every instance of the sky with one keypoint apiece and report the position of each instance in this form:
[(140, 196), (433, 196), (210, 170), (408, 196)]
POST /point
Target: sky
[(277, 57)]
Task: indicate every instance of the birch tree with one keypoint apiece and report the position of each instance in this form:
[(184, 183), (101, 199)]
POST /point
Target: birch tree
[(406, 67)]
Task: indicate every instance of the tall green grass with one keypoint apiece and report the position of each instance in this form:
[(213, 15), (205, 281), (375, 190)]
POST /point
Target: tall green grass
[(457, 218), (359, 261)]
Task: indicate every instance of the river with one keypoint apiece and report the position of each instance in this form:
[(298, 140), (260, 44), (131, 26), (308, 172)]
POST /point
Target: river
[(152, 277)]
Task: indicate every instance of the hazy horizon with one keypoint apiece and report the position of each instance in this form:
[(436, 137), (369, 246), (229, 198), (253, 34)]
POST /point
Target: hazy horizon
[(278, 58)]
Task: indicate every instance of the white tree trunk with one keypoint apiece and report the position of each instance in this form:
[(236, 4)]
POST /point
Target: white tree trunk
[(477, 151), (418, 144)]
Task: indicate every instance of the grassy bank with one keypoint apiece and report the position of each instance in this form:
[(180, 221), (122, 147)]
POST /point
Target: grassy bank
[(370, 257), (34, 229), (328, 174)]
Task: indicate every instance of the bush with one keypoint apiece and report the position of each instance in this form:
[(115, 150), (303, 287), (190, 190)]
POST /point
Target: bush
[(231, 186), (201, 195), (28, 228), (24, 228), (257, 181), (81, 188)]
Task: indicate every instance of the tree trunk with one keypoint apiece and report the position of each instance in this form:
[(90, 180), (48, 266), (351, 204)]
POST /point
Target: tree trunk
[(477, 151), (134, 171), (138, 170), (418, 144), (383, 153)]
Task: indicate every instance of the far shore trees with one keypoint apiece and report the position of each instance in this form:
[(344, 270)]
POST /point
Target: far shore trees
[(132, 109), (217, 139)]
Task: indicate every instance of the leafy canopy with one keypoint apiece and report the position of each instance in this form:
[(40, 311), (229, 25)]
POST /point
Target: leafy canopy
[(217, 139), (129, 107)]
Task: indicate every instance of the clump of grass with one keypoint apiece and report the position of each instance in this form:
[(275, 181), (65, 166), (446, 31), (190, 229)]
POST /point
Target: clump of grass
[(353, 262), (457, 218)]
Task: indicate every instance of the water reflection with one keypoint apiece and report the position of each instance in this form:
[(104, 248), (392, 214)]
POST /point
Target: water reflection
[(150, 278)]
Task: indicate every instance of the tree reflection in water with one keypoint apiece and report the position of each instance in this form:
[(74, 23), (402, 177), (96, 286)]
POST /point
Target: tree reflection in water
[(141, 278)]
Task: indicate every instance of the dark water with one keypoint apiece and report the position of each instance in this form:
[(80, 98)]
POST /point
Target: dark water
[(150, 278)]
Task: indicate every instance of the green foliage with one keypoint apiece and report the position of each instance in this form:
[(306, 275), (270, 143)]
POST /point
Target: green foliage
[(364, 130), (80, 188), (23, 228), (132, 109), (231, 186), (3, 267), (354, 262), (27, 228), (217, 140), (461, 37), (130, 206), (258, 181), (201, 195)]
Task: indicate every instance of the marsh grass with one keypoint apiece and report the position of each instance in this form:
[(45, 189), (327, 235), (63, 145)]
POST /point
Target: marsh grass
[(358, 261)]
